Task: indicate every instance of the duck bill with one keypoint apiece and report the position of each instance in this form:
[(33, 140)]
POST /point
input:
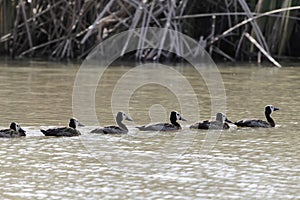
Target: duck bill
[(182, 119), (129, 118), (80, 124), (276, 109)]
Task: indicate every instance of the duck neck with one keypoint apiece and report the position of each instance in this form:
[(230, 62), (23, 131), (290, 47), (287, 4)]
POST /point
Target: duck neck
[(122, 126), (269, 119), (72, 124), (175, 123)]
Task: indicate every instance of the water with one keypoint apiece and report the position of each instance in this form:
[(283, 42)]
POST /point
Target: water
[(245, 163)]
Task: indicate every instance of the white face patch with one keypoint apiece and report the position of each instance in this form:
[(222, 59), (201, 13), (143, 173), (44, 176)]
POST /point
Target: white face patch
[(123, 116), (178, 116), (76, 122), (17, 127), (271, 107)]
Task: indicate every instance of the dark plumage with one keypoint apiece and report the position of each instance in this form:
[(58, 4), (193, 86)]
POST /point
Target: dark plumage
[(221, 122), (257, 122), (174, 116), (120, 129), (14, 130), (64, 131)]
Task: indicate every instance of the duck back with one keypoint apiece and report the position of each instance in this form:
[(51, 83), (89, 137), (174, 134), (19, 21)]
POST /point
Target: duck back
[(252, 123), (159, 127), (209, 125), (64, 131), (9, 133), (110, 130)]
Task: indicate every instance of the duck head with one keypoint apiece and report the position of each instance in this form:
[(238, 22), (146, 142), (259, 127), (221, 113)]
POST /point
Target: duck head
[(220, 117), (16, 127), (74, 123), (174, 116), (269, 109), (122, 116)]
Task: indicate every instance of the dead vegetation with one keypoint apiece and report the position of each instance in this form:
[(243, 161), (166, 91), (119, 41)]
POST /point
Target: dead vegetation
[(235, 30)]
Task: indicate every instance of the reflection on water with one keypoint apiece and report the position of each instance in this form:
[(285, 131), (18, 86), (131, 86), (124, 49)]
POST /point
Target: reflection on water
[(246, 163)]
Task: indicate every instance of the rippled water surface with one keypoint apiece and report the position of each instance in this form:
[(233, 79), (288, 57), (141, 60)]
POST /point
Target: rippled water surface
[(241, 164)]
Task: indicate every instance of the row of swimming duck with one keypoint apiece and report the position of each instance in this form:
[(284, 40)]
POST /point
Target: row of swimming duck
[(221, 122)]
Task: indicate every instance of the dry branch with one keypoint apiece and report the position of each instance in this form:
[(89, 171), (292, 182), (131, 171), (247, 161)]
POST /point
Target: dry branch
[(262, 50), (71, 28)]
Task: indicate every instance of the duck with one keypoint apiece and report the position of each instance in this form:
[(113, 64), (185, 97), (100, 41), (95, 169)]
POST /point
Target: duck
[(221, 122), (64, 131), (14, 131), (257, 122), (173, 126), (120, 129)]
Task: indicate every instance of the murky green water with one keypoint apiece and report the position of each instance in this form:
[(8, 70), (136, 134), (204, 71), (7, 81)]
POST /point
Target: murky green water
[(244, 163)]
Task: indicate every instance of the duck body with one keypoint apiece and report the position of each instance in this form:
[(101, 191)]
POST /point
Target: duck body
[(120, 129), (110, 130), (64, 131), (14, 131), (160, 127), (173, 126), (221, 122), (253, 123), (209, 125)]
